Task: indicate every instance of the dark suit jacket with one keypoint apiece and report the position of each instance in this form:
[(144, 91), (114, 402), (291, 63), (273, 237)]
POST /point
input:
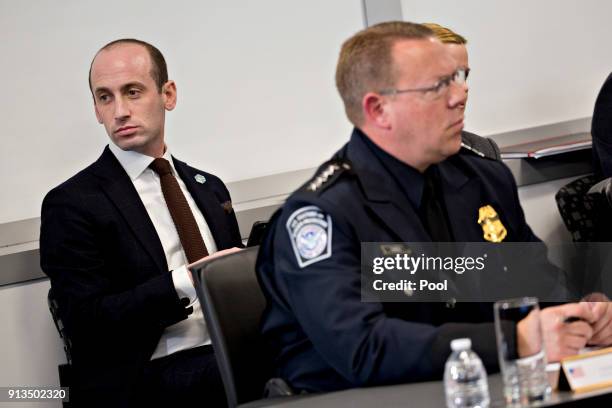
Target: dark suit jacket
[(109, 273), (323, 336)]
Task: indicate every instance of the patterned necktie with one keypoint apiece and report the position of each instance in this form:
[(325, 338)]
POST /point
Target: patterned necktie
[(185, 223)]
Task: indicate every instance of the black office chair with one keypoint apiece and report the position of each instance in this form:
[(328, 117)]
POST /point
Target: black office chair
[(578, 208), (233, 305), (484, 145), (64, 370), (601, 195)]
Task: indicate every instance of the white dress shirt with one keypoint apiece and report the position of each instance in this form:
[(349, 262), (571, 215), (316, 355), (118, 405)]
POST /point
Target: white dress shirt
[(191, 332)]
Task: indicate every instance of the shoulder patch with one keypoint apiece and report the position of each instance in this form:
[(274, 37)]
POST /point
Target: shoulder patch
[(310, 232), (327, 174)]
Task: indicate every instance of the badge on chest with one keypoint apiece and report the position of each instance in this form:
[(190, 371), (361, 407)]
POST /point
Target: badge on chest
[(492, 228)]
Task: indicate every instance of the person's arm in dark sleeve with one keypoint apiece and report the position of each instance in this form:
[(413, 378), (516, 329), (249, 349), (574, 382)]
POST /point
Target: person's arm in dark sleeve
[(357, 338), (73, 256), (551, 284), (523, 232)]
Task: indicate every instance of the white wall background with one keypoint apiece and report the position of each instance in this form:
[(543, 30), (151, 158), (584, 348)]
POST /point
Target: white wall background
[(534, 62), (255, 79), (30, 348), (256, 97), (255, 83)]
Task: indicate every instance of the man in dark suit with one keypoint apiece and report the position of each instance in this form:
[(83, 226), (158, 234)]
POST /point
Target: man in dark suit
[(111, 234), (402, 177)]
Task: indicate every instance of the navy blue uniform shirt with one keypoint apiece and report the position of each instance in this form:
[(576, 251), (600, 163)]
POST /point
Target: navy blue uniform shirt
[(322, 335)]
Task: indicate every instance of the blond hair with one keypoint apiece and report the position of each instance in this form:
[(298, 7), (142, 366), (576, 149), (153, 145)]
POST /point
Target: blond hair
[(445, 35), (366, 64)]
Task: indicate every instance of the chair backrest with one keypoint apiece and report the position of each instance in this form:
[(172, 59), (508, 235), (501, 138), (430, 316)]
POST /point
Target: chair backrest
[(586, 208), (59, 325), (484, 145), (601, 195), (64, 370), (233, 304), (577, 209)]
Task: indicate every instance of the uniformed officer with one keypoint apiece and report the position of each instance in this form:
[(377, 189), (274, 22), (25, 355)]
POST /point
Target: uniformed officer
[(402, 177)]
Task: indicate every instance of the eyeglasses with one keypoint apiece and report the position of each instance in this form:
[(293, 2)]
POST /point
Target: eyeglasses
[(440, 88)]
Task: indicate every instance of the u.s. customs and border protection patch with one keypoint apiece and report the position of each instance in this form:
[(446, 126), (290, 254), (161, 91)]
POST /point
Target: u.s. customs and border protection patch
[(310, 232), (492, 228)]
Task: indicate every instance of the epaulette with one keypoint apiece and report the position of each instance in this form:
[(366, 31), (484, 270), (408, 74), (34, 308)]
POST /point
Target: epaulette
[(481, 146), (327, 175)]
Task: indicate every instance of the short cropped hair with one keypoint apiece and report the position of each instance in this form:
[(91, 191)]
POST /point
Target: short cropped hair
[(445, 34), (366, 64), (159, 70)]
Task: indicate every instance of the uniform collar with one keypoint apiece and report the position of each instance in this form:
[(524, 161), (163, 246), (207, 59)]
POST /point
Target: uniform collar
[(409, 179), (135, 163)]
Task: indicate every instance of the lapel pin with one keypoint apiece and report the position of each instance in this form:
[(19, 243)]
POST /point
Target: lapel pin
[(200, 178), (227, 207)]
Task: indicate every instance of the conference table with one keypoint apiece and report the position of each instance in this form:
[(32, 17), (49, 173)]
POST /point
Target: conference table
[(431, 394)]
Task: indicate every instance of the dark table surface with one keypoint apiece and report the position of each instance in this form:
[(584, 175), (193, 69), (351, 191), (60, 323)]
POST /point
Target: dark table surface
[(431, 394)]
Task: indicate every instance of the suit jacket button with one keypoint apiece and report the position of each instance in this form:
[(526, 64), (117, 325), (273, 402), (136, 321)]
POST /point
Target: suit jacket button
[(450, 304)]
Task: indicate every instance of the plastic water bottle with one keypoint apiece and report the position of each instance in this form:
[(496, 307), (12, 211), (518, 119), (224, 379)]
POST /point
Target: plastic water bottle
[(465, 378)]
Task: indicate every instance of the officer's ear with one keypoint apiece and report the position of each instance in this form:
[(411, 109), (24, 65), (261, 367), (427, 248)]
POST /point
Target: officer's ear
[(375, 110)]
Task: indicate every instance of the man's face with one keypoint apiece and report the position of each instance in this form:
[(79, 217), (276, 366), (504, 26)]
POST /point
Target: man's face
[(460, 55), (426, 127), (127, 101)]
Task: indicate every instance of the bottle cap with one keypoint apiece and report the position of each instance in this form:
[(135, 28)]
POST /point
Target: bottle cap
[(461, 344)]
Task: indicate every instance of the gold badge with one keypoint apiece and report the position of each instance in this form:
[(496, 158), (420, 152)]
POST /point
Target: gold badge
[(492, 228)]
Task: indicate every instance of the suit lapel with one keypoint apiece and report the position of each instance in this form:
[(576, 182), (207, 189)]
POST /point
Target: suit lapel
[(117, 185), (383, 197), (208, 203), (398, 216), (462, 195)]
